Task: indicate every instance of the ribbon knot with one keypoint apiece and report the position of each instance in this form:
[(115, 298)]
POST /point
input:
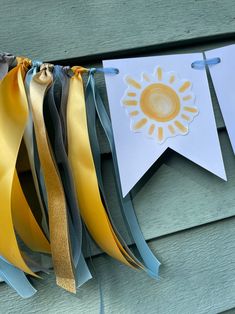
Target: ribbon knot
[(36, 63), (26, 62), (8, 58), (46, 67), (93, 71), (79, 70), (114, 71), (44, 77), (68, 71)]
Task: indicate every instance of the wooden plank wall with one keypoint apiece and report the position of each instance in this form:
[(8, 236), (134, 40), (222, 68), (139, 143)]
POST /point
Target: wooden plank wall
[(186, 213)]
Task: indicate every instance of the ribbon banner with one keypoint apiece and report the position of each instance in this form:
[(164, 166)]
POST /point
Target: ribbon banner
[(51, 119), (155, 103), (158, 103)]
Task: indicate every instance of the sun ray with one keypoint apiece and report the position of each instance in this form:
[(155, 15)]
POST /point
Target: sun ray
[(171, 129), (160, 133), (180, 126), (188, 97), (151, 129), (130, 102), (172, 79), (146, 77), (134, 113), (131, 94), (185, 86), (159, 74), (190, 109), (133, 82), (185, 117), (139, 124)]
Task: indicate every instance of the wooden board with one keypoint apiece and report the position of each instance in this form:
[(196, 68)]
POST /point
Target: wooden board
[(185, 212), (58, 30), (198, 276)]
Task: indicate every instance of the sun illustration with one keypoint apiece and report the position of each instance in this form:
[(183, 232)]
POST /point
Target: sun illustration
[(161, 105)]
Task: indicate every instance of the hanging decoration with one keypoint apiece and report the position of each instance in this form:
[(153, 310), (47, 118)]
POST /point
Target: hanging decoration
[(48, 113), (155, 103), (158, 103)]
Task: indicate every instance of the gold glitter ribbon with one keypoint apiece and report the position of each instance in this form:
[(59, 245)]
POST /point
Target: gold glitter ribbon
[(59, 233)]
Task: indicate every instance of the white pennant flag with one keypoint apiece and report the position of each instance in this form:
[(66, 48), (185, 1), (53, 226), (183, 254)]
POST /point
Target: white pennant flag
[(223, 78), (161, 102)]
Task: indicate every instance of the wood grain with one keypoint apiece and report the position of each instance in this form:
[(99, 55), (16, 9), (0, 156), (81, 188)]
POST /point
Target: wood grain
[(176, 199), (198, 276), (61, 30)]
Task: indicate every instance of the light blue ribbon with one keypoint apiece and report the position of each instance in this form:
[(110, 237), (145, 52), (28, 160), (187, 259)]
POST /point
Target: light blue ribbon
[(30, 143), (201, 64), (93, 100), (16, 279)]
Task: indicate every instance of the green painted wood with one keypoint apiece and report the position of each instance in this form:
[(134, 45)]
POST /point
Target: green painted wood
[(62, 30), (198, 277), (176, 195)]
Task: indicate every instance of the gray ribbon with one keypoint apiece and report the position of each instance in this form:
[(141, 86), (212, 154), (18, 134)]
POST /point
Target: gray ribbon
[(7, 61)]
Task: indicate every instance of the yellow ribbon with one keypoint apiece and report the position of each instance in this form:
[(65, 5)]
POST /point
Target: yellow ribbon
[(13, 118), (24, 222), (83, 169), (59, 233)]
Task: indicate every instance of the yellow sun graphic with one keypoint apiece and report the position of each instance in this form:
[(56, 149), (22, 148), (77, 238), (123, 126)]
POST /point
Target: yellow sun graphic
[(161, 105)]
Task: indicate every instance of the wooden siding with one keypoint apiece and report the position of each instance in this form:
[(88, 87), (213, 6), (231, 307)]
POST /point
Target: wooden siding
[(185, 212)]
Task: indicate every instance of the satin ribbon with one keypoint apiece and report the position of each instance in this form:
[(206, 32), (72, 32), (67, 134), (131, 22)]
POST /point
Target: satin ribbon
[(201, 64), (95, 103), (16, 279), (13, 119), (31, 148), (58, 221), (83, 169), (55, 100), (24, 222), (22, 215)]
